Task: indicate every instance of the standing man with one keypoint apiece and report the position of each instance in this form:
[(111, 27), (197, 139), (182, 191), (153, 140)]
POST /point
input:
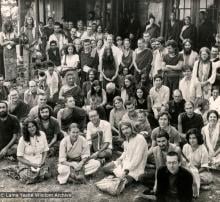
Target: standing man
[(174, 183), (9, 130)]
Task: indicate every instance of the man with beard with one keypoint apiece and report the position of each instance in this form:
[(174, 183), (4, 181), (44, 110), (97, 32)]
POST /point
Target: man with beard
[(31, 95), (42, 100), (50, 126), (16, 106), (156, 159), (9, 130), (189, 56)]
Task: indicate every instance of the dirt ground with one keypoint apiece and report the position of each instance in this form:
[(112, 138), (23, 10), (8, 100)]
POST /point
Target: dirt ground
[(84, 193)]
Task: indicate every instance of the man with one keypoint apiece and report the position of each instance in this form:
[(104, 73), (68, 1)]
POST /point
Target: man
[(189, 55), (89, 59), (58, 36), (71, 89), (142, 60), (53, 53), (49, 28), (88, 34), (146, 37), (9, 130), (188, 120), (53, 81), (153, 28), (99, 136), (214, 101), (175, 107), (111, 93), (49, 125), (78, 46), (31, 95), (159, 95), (80, 29), (42, 100), (158, 55), (206, 31), (3, 89), (174, 183), (71, 114), (156, 159), (16, 106), (72, 35), (131, 115), (172, 65), (216, 60), (185, 85)]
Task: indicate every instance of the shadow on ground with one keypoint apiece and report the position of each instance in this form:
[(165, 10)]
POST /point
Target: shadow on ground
[(84, 193)]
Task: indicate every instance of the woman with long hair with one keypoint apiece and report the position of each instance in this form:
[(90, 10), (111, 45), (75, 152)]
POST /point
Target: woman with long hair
[(31, 153), (109, 67), (7, 41), (70, 61), (128, 89), (98, 92), (211, 136)]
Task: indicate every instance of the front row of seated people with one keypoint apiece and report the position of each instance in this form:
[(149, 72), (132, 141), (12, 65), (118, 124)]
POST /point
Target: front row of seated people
[(82, 155)]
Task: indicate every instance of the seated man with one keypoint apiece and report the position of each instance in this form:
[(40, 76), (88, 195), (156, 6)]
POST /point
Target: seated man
[(71, 114), (132, 161), (50, 126), (99, 136), (42, 100), (16, 106), (214, 100), (157, 158), (131, 115), (32, 93), (9, 130), (174, 183), (159, 95), (176, 106), (74, 156)]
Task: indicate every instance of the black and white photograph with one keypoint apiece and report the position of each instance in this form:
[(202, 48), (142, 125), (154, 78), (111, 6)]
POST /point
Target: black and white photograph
[(110, 100)]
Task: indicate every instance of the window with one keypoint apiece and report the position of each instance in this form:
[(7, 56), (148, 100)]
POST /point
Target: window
[(185, 8)]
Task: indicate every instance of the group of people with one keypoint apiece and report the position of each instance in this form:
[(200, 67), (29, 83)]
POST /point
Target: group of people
[(147, 114)]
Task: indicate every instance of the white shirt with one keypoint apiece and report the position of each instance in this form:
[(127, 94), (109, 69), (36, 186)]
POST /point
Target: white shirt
[(105, 127), (214, 104)]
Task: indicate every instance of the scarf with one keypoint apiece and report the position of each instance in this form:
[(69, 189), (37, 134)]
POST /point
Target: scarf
[(211, 139), (52, 82)]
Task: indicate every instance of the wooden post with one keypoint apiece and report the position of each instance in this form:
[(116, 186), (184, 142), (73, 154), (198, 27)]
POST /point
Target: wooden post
[(44, 12)]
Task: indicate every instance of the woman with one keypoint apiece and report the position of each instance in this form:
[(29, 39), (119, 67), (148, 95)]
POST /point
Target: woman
[(131, 163), (141, 99), (128, 89), (188, 31), (119, 42), (127, 57), (99, 34), (28, 48), (196, 154), (71, 61), (74, 163), (98, 92), (7, 41), (86, 87), (109, 67), (31, 154), (99, 46), (211, 136), (203, 75), (117, 113)]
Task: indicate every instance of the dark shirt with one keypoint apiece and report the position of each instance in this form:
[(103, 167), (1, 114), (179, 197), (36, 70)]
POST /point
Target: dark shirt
[(177, 187), (54, 56), (195, 121), (52, 129), (111, 96), (173, 32), (4, 93), (8, 128), (174, 110)]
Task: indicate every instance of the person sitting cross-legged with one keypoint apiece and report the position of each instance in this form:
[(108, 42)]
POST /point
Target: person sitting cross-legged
[(74, 157), (99, 136)]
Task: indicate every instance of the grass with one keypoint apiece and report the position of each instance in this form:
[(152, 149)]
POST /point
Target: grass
[(83, 193)]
